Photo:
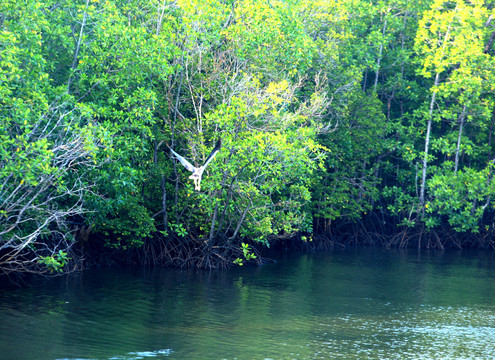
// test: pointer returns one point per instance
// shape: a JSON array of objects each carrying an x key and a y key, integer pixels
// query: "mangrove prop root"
[{"x": 187, "y": 253}]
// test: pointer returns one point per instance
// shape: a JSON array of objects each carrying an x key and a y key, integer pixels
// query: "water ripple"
[
  {"x": 133, "y": 355},
  {"x": 357, "y": 305}
]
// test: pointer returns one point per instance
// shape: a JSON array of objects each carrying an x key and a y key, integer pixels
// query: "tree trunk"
[
  {"x": 215, "y": 212},
  {"x": 164, "y": 191},
  {"x": 490, "y": 133},
  {"x": 377, "y": 72},
  {"x": 78, "y": 45},
  {"x": 164, "y": 204},
  {"x": 427, "y": 143},
  {"x": 176, "y": 111},
  {"x": 428, "y": 129},
  {"x": 402, "y": 44},
  {"x": 239, "y": 224},
  {"x": 492, "y": 36},
  {"x": 159, "y": 19},
  {"x": 461, "y": 124}
]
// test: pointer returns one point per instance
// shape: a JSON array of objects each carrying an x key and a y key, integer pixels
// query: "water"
[{"x": 352, "y": 304}]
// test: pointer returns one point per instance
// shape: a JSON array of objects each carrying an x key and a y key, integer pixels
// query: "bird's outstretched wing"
[
  {"x": 214, "y": 152},
  {"x": 183, "y": 161}
]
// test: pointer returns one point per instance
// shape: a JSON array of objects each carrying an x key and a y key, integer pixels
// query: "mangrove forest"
[{"x": 329, "y": 123}]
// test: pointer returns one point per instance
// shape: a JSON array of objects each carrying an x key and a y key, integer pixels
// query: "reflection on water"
[{"x": 359, "y": 304}]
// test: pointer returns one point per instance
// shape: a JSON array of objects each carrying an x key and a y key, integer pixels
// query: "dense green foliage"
[{"x": 330, "y": 112}]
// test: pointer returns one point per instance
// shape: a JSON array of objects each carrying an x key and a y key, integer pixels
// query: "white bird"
[{"x": 197, "y": 172}]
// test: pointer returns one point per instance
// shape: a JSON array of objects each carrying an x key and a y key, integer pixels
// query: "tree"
[
  {"x": 47, "y": 144},
  {"x": 451, "y": 44}
]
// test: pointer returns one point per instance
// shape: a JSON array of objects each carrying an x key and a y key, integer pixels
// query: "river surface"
[{"x": 349, "y": 304}]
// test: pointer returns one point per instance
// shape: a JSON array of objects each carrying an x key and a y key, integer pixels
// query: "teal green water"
[{"x": 352, "y": 304}]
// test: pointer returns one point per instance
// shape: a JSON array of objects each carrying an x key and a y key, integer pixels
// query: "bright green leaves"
[
  {"x": 270, "y": 37},
  {"x": 262, "y": 174},
  {"x": 348, "y": 185},
  {"x": 55, "y": 263},
  {"x": 247, "y": 253},
  {"x": 125, "y": 224},
  {"x": 450, "y": 45},
  {"x": 178, "y": 229},
  {"x": 84, "y": 118},
  {"x": 45, "y": 157},
  {"x": 275, "y": 156},
  {"x": 48, "y": 142},
  {"x": 204, "y": 21},
  {"x": 462, "y": 198},
  {"x": 125, "y": 56},
  {"x": 450, "y": 33}
]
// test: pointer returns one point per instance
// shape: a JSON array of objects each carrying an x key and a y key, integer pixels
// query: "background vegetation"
[{"x": 354, "y": 122}]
